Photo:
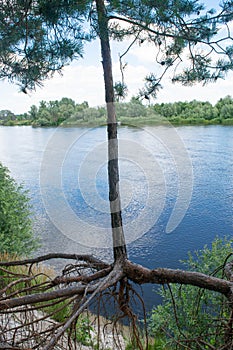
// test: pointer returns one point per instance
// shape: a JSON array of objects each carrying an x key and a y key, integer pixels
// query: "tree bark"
[
  {"x": 140, "y": 275},
  {"x": 92, "y": 261},
  {"x": 133, "y": 272},
  {"x": 119, "y": 246}
]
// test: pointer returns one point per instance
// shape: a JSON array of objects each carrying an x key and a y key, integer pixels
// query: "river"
[{"x": 176, "y": 188}]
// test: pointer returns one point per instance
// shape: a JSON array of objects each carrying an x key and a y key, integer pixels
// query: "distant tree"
[
  {"x": 168, "y": 110},
  {"x": 67, "y": 101},
  {"x": 54, "y": 112},
  {"x": 91, "y": 113},
  {"x": 33, "y": 112},
  {"x": 6, "y": 115},
  {"x": 135, "y": 100},
  {"x": 66, "y": 108},
  {"x": 130, "y": 109},
  {"x": 81, "y": 106},
  {"x": 225, "y": 107},
  {"x": 44, "y": 114}
]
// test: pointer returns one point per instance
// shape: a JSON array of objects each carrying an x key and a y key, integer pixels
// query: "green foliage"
[
  {"x": 228, "y": 121},
  {"x": 225, "y": 107},
  {"x": 156, "y": 343},
  {"x": 120, "y": 90},
  {"x": 61, "y": 310},
  {"x": 40, "y": 37},
  {"x": 6, "y": 115},
  {"x": 53, "y": 113},
  {"x": 67, "y": 112},
  {"x": 83, "y": 331},
  {"x": 15, "y": 224},
  {"x": 37, "y": 39},
  {"x": 193, "y": 317}
]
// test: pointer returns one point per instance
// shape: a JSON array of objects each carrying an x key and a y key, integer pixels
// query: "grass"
[{"x": 16, "y": 278}]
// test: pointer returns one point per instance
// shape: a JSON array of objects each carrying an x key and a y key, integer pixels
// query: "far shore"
[{"x": 122, "y": 121}]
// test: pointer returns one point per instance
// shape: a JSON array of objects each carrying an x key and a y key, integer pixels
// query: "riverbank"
[
  {"x": 24, "y": 327},
  {"x": 35, "y": 325},
  {"x": 124, "y": 121}
]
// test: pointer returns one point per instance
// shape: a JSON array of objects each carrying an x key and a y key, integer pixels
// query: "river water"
[{"x": 176, "y": 188}]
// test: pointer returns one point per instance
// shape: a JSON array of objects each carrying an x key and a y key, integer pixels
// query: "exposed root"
[{"x": 42, "y": 311}]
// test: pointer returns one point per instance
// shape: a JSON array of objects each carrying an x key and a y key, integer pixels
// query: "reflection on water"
[{"x": 147, "y": 167}]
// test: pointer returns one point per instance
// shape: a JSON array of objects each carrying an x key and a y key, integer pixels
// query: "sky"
[{"x": 83, "y": 81}]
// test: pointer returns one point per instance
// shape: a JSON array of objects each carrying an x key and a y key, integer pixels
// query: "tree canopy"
[{"x": 39, "y": 37}]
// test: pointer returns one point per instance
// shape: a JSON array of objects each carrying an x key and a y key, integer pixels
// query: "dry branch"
[
  {"x": 133, "y": 272},
  {"x": 229, "y": 271},
  {"x": 141, "y": 275},
  {"x": 108, "y": 281},
  {"x": 82, "y": 278},
  {"x": 70, "y": 291},
  {"x": 78, "y": 257}
]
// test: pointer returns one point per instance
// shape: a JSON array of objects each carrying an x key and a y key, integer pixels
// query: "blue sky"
[{"x": 83, "y": 80}]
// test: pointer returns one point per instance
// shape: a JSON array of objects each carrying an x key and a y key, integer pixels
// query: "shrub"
[
  {"x": 42, "y": 122},
  {"x": 228, "y": 121},
  {"x": 15, "y": 223},
  {"x": 191, "y": 317}
]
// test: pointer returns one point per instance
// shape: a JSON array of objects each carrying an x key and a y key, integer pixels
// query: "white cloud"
[
  {"x": 144, "y": 54},
  {"x": 211, "y": 92},
  {"x": 78, "y": 82},
  {"x": 84, "y": 81}
]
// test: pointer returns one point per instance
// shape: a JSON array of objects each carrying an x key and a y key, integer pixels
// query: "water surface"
[{"x": 148, "y": 166}]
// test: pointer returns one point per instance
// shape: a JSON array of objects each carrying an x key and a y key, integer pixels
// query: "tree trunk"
[{"x": 119, "y": 247}]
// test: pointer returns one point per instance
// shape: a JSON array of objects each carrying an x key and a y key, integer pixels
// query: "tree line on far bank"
[{"x": 68, "y": 112}]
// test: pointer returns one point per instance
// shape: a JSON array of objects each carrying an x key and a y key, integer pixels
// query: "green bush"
[
  {"x": 216, "y": 120},
  {"x": 9, "y": 123},
  {"x": 15, "y": 224},
  {"x": 42, "y": 122},
  {"x": 190, "y": 317},
  {"x": 228, "y": 121}
]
